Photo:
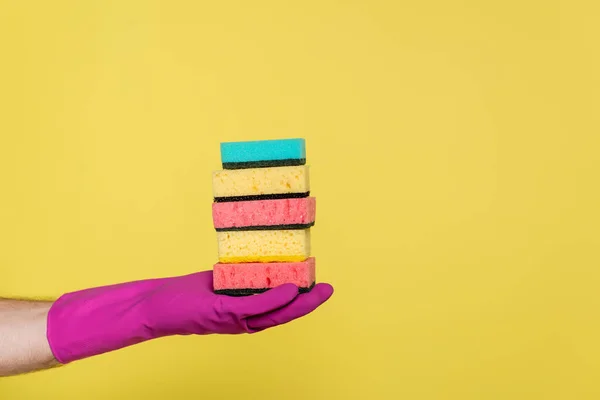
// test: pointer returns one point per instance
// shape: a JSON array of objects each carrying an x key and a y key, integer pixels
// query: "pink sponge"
[
  {"x": 248, "y": 278},
  {"x": 264, "y": 214}
]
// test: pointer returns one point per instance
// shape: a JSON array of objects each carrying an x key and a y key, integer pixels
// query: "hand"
[
  {"x": 98, "y": 320},
  {"x": 187, "y": 305}
]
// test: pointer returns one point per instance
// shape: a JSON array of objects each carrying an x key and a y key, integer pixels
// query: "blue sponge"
[{"x": 263, "y": 153}]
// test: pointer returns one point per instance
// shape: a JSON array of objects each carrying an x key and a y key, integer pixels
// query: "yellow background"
[{"x": 454, "y": 156}]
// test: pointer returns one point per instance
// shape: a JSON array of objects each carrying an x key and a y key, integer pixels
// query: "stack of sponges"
[{"x": 263, "y": 214}]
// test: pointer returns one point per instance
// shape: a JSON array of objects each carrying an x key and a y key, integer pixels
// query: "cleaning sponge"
[
  {"x": 264, "y": 246},
  {"x": 250, "y": 278},
  {"x": 263, "y": 153},
  {"x": 264, "y": 214},
  {"x": 261, "y": 183}
]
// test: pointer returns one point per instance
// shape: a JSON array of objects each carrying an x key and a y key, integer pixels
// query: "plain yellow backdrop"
[{"x": 454, "y": 153}]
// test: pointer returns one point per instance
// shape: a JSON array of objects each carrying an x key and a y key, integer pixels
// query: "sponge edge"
[{"x": 248, "y": 278}]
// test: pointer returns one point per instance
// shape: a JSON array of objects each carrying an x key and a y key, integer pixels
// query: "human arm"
[
  {"x": 23, "y": 344},
  {"x": 98, "y": 320}
]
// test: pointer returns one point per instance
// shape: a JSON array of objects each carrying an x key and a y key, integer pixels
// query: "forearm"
[{"x": 23, "y": 342}]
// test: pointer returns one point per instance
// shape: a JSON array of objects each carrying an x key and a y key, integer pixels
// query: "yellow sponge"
[
  {"x": 264, "y": 246},
  {"x": 261, "y": 183}
]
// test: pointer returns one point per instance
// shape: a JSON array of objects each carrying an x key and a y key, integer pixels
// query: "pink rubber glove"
[{"x": 98, "y": 320}]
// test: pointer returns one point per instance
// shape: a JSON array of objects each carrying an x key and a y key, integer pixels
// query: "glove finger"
[
  {"x": 263, "y": 303},
  {"x": 299, "y": 307}
]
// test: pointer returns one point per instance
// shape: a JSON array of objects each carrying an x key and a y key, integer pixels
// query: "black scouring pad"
[
  {"x": 249, "y": 292},
  {"x": 265, "y": 164},
  {"x": 274, "y": 196}
]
